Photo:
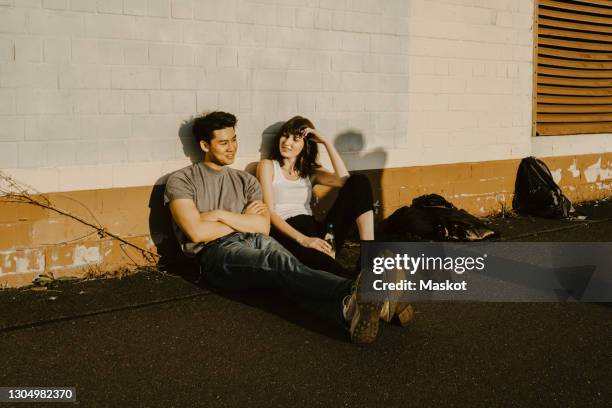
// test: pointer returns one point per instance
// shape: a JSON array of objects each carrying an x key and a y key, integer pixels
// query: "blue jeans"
[{"x": 256, "y": 261}]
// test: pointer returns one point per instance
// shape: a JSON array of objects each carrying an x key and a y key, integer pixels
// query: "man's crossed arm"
[{"x": 208, "y": 226}]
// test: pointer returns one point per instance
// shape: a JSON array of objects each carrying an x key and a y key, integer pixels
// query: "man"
[{"x": 220, "y": 219}]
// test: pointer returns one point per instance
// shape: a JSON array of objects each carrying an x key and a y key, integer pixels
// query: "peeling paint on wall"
[
  {"x": 594, "y": 172},
  {"x": 85, "y": 256},
  {"x": 466, "y": 195},
  {"x": 574, "y": 169},
  {"x": 556, "y": 174},
  {"x": 21, "y": 265},
  {"x": 29, "y": 261}
]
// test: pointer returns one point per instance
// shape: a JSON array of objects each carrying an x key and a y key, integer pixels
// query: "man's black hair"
[{"x": 204, "y": 126}]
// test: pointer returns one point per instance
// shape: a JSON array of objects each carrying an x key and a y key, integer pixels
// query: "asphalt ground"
[{"x": 162, "y": 340}]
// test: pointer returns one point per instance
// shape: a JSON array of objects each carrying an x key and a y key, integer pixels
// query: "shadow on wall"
[
  {"x": 160, "y": 227},
  {"x": 351, "y": 144},
  {"x": 191, "y": 147},
  {"x": 265, "y": 148},
  {"x": 160, "y": 219}
]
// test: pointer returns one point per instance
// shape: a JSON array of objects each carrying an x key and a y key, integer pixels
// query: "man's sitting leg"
[{"x": 257, "y": 261}]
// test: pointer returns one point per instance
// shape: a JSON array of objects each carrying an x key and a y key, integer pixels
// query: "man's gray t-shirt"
[{"x": 226, "y": 189}]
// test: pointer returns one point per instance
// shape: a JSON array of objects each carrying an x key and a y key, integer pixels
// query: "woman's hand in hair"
[
  {"x": 314, "y": 135},
  {"x": 315, "y": 243}
]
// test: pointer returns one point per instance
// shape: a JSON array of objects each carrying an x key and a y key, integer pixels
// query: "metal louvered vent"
[{"x": 574, "y": 67}]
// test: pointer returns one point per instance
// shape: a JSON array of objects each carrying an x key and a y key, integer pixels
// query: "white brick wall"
[
  {"x": 465, "y": 92},
  {"x": 108, "y": 84}
]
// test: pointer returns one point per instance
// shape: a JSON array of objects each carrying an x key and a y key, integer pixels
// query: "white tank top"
[{"x": 291, "y": 197}]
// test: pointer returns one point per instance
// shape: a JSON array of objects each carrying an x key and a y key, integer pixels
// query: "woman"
[{"x": 287, "y": 180}]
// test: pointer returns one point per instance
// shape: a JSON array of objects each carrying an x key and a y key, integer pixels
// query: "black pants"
[{"x": 354, "y": 198}]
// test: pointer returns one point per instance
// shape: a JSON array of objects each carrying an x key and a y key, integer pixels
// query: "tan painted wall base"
[
  {"x": 485, "y": 188},
  {"x": 35, "y": 241}
]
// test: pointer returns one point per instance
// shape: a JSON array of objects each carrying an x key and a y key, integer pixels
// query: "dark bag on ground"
[
  {"x": 432, "y": 217},
  {"x": 536, "y": 193}
]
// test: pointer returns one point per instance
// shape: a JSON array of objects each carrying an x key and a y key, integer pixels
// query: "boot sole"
[{"x": 364, "y": 326}]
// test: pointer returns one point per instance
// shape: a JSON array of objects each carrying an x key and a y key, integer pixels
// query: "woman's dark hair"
[
  {"x": 204, "y": 126},
  {"x": 307, "y": 160}
]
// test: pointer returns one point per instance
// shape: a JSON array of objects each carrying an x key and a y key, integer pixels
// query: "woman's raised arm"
[{"x": 322, "y": 176}]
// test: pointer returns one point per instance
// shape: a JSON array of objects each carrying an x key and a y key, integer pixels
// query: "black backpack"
[
  {"x": 536, "y": 193},
  {"x": 432, "y": 217}
]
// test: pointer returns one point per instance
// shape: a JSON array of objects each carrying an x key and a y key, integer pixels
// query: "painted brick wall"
[
  {"x": 100, "y": 82},
  {"x": 470, "y": 64},
  {"x": 397, "y": 83}
]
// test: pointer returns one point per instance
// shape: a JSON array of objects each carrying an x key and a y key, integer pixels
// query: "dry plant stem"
[{"x": 22, "y": 196}]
